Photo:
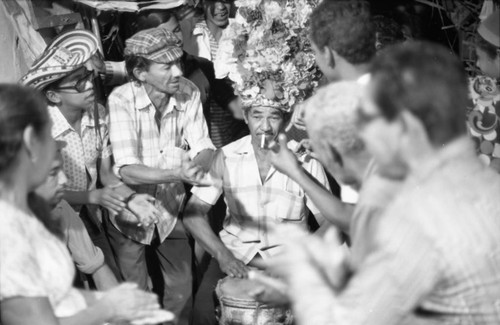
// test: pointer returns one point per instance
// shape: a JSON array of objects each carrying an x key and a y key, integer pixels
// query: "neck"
[
  {"x": 214, "y": 29},
  {"x": 349, "y": 71},
  {"x": 73, "y": 116},
  {"x": 158, "y": 98}
]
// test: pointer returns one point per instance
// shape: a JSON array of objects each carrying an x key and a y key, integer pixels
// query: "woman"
[{"x": 36, "y": 271}]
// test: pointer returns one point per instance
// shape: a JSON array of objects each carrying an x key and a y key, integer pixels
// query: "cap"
[
  {"x": 489, "y": 28},
  {"x": 155, "y": 44}
]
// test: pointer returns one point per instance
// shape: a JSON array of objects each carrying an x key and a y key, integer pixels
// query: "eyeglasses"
[{"x": 81, "y": 85}]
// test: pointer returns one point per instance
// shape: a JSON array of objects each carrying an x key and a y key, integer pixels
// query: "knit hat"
[
  {"x": 155, "y": 44},
  {"x": 489, "y": 29}
]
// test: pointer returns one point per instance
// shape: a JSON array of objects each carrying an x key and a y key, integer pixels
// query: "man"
[
  {"x": 157, "y": 125},
  {"x": 483, "y": 118},
  {"x": 62, "y": 73},
  {"x": 257, "y": 196},
  {"x": 88, "y": 258},
  {"x": 433, "y": 256}
]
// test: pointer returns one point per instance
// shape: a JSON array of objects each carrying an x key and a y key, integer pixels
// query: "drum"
[{"x": 236, "y": 307}]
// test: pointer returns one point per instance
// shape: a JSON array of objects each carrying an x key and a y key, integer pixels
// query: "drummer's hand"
[
  {"x": 269, "y": 296},
  {"x": 142, "y": 205},
  {"x": 232, "y": 266}
]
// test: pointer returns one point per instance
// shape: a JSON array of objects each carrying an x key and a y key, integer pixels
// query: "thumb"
[
  {"x": 283, "y": 140},
  {"x": 185, "y": 158}
]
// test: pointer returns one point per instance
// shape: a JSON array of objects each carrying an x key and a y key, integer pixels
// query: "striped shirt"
[
  {"x": 435, "y": 253},
  {"x": 252, "y": 205},
  {"x": 136, "y": 140}
]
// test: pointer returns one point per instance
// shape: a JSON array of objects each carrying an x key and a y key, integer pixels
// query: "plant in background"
[{"x": 265, "y": 50}]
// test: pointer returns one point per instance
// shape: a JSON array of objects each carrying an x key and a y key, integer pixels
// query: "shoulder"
[
  {"x": 238, "y": 147},
  {"x": 124, "y": 92}
]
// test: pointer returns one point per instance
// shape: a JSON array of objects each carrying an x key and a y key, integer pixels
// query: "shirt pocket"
[
  {"x": 286, "y": 207},
  {"x": 171, "y": 158}
]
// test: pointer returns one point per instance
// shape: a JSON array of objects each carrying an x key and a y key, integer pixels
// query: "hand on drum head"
[
  {"x": 232, "y": 266},
  {"x": 268, "y": 290}
]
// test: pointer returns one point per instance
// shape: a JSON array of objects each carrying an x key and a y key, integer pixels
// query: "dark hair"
[
  {"x": 490, "y": 49},
  {"x": 346, "y": 27},
  {"x": 427, "y": 80},
  {"x": 19, "y": 107},
  {"x": 136, "y": 62},
  {"x": 387, "y": 31},
  {"x": 153, "y": 18},
  {"x": 42, "y": 211}
]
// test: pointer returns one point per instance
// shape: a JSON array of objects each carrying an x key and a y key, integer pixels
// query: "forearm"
[
  {"x": 140, "y": 174},
  {"x": 104, "y": 278},
  {"x": 332, "y": 208},
  {"x": 198, "y": 226},
  {"x": 96, "y": 314},
  {"x": 78, "y": 197}
]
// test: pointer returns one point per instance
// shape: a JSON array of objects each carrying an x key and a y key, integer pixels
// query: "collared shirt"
[
  {"x": 82, "y": 151},
  {"x": 435, "y": 253},
  {"x": 252, "y": 205},
  {"x": 206, "y": 44},
  {"x": 483, "y": 119},
  {"x": 136, "y": 140}
]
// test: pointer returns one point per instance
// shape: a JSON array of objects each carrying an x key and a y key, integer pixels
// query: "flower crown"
[{"x": 265, "y": 50}]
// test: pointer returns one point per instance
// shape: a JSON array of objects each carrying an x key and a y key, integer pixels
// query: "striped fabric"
[
  {"x": 433, "y": 257},
  {"x": 253, "y": 206},
  {"x": 135, "y": 139},
  {"x": 155, "y": 44}
]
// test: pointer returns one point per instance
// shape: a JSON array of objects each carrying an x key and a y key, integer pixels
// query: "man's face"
[
  {"x": 382, "y": 137},
  {"x": 267, "y": 121},
  {"x": 217, "y": 12},
  {"x": 76, "y": 90},
  {"x": 487, "y": 65},
  {"x": 173, "y": 26},
  {"x": 163, "y": 76},
  {"x": 52, "y": 189}
]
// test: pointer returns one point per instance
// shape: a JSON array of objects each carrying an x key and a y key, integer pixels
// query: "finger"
[
  {"x": 114, "y": 201},
  {"x": 283, "y": 140}
]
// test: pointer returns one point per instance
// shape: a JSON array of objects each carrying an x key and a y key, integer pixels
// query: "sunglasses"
[{"x": 81, "y": 85}]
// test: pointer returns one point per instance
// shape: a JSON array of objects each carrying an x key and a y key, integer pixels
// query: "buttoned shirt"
[
  {"x": 205, "y": 43},
  {"x": 136, "y": 139},
  {"x": 82, "y": 151},
  {"x": 435, "y": 252},
  {"x": 253, "y": 205}
]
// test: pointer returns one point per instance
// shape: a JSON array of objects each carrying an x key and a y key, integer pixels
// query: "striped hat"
[
  {"x": 67, "y": 53},
  {"x": 155, "y": 44},
  {"x": 489, "y": 29}
]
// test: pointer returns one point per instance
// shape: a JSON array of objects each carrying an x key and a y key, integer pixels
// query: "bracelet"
[{"x": 130, "y": 198}]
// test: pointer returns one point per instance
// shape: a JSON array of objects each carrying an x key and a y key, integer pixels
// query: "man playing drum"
[{"x": 257, "y": 196}]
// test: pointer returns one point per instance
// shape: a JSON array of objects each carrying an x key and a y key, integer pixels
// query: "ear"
[
  {"x": 139, "y": 74},
  {"x": 29, "y": 141},
  {"x": 413, "y": 134},
  {"x": 245, "y": 115},
  {"x": 330, "y": 56},
  {"x": 53, "y": 96}
]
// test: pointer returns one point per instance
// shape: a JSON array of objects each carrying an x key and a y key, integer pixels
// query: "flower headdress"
[{"x": 265, "y": 50}]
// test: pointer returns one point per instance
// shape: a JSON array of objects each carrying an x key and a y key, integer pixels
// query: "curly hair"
[
  {"x": 425, "y": 79},
  {"x": 331, "y": 115},
  {"x": 136, "y": 62},
  {"x": 346, "y": 27}
]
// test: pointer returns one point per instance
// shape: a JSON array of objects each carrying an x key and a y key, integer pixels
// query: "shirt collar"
[
  {"x": 59, "y": 123},
  {"x": 200, "y": 28},
  {"x": 142, "y": 100}
]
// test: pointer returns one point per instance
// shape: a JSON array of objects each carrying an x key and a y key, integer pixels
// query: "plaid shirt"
[
  {"x": 136, "y": 140},
  {"x": 253, "y": 206},
  {"x": 435, "y": 253}
]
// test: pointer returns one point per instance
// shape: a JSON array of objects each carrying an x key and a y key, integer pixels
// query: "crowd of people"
[{"x": 129, "y": 207}]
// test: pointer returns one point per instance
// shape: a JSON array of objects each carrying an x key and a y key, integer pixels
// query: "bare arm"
[
  {"x": 104, "y": 278},
  {"x": 332, "y": 208},
  {"x": 196, "y": 223}
]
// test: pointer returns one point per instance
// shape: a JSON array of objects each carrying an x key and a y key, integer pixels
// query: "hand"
[
  {"x": 108, "y": 198},
  {"x": 298, "y": 117},
  {"x": 126, "y": 302},
  {"x": 268, "y": 290},
  {"x": 232, "y": 266},
  {"x": 282, "y": 158},
  {"x": 142, "y": 205},
  {"x": 191, "y": 173},
  {"x": 236, "y": 107}
]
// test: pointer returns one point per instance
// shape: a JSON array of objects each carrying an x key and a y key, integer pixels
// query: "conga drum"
[{"x": 236, "y": 307}]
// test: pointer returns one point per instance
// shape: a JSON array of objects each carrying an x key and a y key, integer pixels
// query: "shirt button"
[{"x": 161, "y": 151}]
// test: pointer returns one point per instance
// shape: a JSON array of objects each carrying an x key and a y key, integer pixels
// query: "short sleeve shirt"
[{"x": 252, "y": 205}]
